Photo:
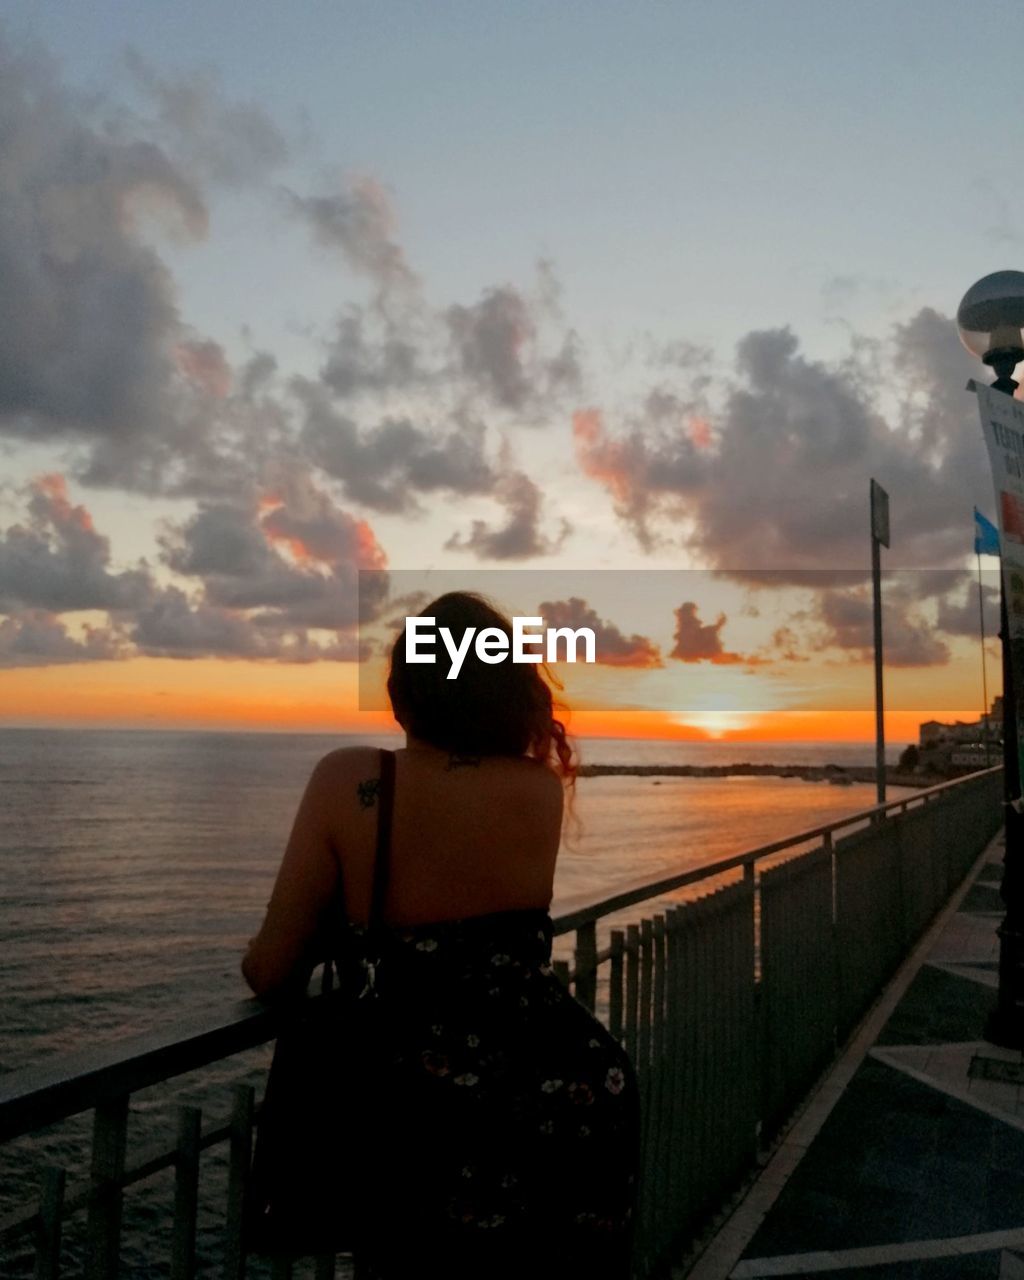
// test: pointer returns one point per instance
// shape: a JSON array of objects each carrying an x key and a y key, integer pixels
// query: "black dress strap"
[{"x": 382, "y": 856}]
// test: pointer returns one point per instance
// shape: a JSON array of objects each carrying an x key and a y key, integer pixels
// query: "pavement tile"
[
  {"x": 968, "y": 1266},
  {"x": 1011, "y": 1265},
  {"x": 982, "y": 897},
  {"x": 979, "y": 1266},
  {"x": 1004, "y": 1197},
  {"x": 938, "y": 1008}
]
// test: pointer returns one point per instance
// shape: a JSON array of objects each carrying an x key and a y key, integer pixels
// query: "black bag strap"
[{"x": 386, "y": 804}]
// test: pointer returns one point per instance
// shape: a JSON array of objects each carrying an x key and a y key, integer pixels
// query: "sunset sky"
[{"x": 613, "y": 308}]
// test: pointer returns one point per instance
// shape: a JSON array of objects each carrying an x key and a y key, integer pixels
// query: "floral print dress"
[{"x": 508, "y": 1138}]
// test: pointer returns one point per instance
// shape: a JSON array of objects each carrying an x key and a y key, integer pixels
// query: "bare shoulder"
[
  {"x": 541, "y": 783},
  {"x": 349, "y": 759},
  {"x": 346, "y": 767}
]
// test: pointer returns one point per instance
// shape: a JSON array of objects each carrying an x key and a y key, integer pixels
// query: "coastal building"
[
  {"x": 975, "y": 755},
  {"x": 962, "y": 746},
  {"x": 988, "y": 728}
]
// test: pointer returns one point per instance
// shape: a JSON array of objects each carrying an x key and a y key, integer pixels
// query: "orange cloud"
[
  {"x": 54, "y": 487},
  {"x": 599, "y": 457},
  {"x": 292, "y": 541},
  {"x": 324, "y": 536},
  {"x": 371, "y": 554},
  {"x": 699, "y": 431}
]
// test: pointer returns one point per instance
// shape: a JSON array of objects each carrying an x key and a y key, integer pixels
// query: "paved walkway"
[{"x": 908, "y": 1163}]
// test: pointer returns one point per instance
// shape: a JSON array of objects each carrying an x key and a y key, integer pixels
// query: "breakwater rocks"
[{"x": 836, "y": 775}]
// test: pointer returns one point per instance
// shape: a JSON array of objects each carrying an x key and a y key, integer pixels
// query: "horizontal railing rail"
[
  {"x": 576, "y": 912},
  {"x": 70, "y": 1083},
  {"x": 699, "y": 995}
]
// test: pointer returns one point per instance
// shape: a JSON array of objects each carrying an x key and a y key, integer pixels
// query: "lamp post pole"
[
  {"x": 991, "y": 323},
  {"x": 879, "y": 538}
]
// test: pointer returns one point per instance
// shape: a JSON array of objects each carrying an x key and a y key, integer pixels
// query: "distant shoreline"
[{"x": 832, "y": 773}]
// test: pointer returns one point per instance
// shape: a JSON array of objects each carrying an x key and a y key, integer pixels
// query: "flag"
[{"x": 986, "y": 536}]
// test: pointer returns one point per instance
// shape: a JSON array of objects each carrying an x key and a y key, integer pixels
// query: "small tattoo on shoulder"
[
  {"x": 456, "y": 761},
  {"x": 367, "y": 792}
]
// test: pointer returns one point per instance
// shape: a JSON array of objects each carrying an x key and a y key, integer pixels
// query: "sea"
[{"x": 135, "y": 865}]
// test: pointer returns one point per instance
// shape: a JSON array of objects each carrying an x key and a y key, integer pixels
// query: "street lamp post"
[{"x": 991, "y": 320}]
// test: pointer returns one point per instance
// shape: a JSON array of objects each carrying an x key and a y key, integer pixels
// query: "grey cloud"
[
  {"x": 218, "y": 140},
  {"x": 57, "y": 561},
  {"x": 908, "y": 639},
  {"x": 387, "y": 466},
  {"x": 489, "y": 338},
  {"x": 910, "y": 586},
  {"x": 496, "y": 346},
  {"x": 357, "y": 362},
  {"x": 786, "y": 646},
  {"x": 36, "y": 637},
  {"x": 961, "y": 617},
  {"x": 294, "y": 555},
  {"x": 207, "y": 446},
  {"x": 93, "y": 352},
  {"x": 262, "y": 577},
  {"x": 359, "y": 222},
  {"x": 677, "y": 354},
  {"x": 520, "y": 537},
  {"x": 697, "y": 641},
  {"x": 563, "y": 372},
  {"x": 784, "y": 482},
  {"x": 256, "y": 374},
  {"x": 612, "y": 647},
  {"x": 95, "y": 356},
  {"x": 218, "y": 540},
  {"x": 87, "y": 309},
  {"x": 171, "y": 626}
]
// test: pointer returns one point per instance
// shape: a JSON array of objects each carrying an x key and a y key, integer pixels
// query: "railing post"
[
  {"x": 324, "y": 1269},
  {"x": 615, "y": 984},
  {"x": 186, "y": 1193},
  {"x": 755, "y": 1034},
  {"x": 107, "y": 1195},
  {"x": 837, "y": 974},
  {"x": 240, "y": 1156},
  {"x": 651, "y": 1209},
  {"x": 646, "y": 977},
  {"x": 647, "y": 1071},
  {"x": 48, "y": 1234},
  {"x": 632, "y": 991},
  {"x": 674, "y": 1077},
  {"x": 586, "y": 965}
]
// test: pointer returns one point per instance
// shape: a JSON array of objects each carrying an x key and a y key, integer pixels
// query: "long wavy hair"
[{"x": 499, "y": 709}]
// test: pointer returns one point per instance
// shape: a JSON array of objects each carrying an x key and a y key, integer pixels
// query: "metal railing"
[{"x": 730, "y": 1004}]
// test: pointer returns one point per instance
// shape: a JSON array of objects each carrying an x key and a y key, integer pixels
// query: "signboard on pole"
[
  {"x": 879, "y": 514},
  {"x": 1002, "y": 423},
  {"x": 879, "y": 538}
]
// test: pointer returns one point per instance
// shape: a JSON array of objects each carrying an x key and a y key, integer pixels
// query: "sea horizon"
[{"x": 866, "y": 745}]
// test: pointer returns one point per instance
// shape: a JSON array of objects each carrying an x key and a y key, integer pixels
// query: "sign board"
[
  {"x": 879, "y": 514},
  {"x": 1002, "y": 423}
]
